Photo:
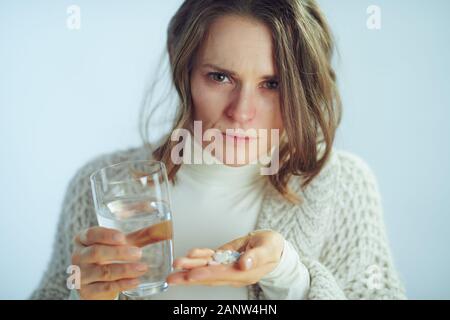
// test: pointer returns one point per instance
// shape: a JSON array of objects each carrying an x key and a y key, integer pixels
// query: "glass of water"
[{"x": 133, "y": 197}]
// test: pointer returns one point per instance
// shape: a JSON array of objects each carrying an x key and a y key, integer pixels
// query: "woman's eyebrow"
[{"x": 233, "y": 73}]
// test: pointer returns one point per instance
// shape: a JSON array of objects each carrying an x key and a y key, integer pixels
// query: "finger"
[
  {"x": 100, "y": 235},
  {"x": 177, "y": 277},
  {"x": 188, "y": 263},
  {"x": 238, "y": 244},
  {"x": 226, "y": 274},
  {"x": 103, "y": 254},
  {"x": 264, "y": 249},
  {"x": 200, "y": 253},
  {"x": 255, "y": 257},
  {"x": 155, "y": 233},
  {"x": 108, "y": 290},
  {"x": 182, "y": 278},
  {"x": 220, "y": 272},
  {"x": 112, "y": 272}
]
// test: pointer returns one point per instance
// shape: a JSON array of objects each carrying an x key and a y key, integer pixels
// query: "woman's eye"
[
  {"x": 272, "y": 84},
  {"x": 217, "y": 76}
]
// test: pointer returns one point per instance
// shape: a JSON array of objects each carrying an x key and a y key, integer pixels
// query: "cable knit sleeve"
[
  {"x": 77, "y": 213},
  {"x": 355, "y": 262}
]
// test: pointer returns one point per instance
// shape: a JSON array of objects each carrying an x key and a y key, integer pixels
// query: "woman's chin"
[{"x": 238, "y": 158}]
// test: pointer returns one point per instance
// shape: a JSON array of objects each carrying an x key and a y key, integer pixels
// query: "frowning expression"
[{"x": 234, "y": 82}]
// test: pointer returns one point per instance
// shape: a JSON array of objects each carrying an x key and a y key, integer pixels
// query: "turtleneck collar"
[{"x": 217, "y": 173}]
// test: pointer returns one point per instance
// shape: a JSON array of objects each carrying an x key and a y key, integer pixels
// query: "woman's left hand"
[{"x": 260, "y": 253}]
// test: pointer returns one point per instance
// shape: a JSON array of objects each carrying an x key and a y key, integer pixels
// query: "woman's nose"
[{"x": 242, "y": 109}]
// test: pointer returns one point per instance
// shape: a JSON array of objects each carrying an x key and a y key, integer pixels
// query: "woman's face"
[{"x": 234, "y": 85}]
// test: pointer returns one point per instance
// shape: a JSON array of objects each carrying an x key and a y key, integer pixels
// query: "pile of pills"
[{"x": 225, "y": 257}]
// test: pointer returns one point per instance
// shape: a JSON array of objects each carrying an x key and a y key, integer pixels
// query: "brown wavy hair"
[{"x": 309, "y": 99}]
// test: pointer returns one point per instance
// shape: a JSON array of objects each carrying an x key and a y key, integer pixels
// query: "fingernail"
[
  {"x": 141, "y": 267},
  {"x": 248, "y": 263},
  {"x": 136, "y": 252}
]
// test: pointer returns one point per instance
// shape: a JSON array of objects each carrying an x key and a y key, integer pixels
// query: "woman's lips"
[{"x": 238, "y": 137}]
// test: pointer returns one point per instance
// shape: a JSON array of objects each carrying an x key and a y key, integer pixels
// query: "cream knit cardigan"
[{"x": 338, "y": 230}]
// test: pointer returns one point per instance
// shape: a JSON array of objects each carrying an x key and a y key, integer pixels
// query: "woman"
[{"x": 313, "y": 229}]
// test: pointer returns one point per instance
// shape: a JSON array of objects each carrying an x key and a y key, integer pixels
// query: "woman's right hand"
[{"x": 95, "y": 249}]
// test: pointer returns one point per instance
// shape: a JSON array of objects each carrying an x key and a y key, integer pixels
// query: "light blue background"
[{"x": 67, "y": 96}]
